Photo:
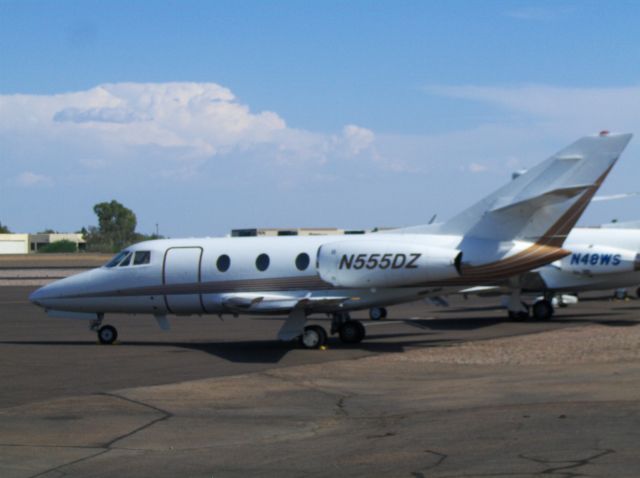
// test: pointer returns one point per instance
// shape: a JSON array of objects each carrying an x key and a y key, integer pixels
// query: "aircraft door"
[{"x": 181, "y": 273}]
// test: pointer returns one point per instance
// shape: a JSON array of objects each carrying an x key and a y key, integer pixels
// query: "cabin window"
[
  {"x": 125, "y": 262},
  {"x": 116, "y": 260},
  {"x": 262, "y": 262},
  {"x": 302, "y": 261},
  {"x": 142, "y": 257},
  {"x": 223, "y": 263}
]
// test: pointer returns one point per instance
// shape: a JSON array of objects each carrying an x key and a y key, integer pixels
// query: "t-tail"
[
  {"x": 537, "y": 209},
  {"x": 543, "y": 204}
]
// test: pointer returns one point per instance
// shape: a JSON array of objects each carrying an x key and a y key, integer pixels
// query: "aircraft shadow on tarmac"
[
  {"x": 254, "y": 351},
  {"x": 273, "y": 351}
]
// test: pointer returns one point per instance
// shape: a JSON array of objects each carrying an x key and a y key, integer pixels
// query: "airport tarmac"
[{"x": 435, "y": 391}]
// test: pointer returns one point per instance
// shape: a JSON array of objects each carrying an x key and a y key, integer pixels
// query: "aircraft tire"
[
  {"x": 542, "y": 310},
  {"x": 313, "y": 337},
  {"x": 352, "y": 332},
  {"x": 377, "y": 313},
  {"x": 107, "y": 334}
]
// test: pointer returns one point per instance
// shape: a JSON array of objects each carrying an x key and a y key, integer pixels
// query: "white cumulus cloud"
[{"x": 176, "y": 121}]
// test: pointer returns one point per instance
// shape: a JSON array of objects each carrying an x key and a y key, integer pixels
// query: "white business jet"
[
  {"x": 520, "y": 227},
  {"x": 601, "y": 259}
]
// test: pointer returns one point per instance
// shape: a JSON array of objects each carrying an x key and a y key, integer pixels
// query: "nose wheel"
[{"x": 107, "y": 334}]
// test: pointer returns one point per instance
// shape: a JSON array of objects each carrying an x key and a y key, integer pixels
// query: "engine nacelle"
[
  {"x": 378, "y": 263},
  {"x": 594, "y": 260}
]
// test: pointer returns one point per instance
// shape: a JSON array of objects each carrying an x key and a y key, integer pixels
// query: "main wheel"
[
  {"x": 352, "y": 332},
  {"x": 377, "y": 313},
  {"x": 542, "y": 310},
  {"x": 107, "y": 334},
  {"x": 313, "y": 337}
]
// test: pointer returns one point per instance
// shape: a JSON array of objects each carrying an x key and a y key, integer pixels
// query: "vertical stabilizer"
[{"x": 543, "y": 204}]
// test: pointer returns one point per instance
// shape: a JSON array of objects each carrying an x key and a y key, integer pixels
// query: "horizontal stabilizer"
[
  {"x": 544, "y": 203},
  {"x": 544, "y": 199}
]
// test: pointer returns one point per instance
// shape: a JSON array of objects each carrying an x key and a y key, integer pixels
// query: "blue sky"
[{"x": 204, "y": 116}]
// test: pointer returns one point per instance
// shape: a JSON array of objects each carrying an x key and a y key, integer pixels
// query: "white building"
[{"x": 14, "y": 243}]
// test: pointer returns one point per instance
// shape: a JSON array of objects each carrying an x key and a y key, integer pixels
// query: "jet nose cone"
[{"x": 36, "y": 296}]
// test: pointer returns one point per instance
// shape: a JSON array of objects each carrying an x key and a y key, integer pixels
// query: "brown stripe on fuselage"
[
  {"x": 213, "y": 287},
  {"x": 557, "y": 233},
  {"x": 545, "y": 250},
  {"x": 547, "y": 247}
]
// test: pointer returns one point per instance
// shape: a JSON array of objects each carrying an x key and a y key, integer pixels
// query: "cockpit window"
[
  {"x": 116, "y": 260},
  {"x": 141, "y": 257},
  {"x": 126, "y": 260}
]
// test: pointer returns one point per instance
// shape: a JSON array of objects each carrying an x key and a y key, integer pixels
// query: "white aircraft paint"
[{"x": 520, "y": 227}]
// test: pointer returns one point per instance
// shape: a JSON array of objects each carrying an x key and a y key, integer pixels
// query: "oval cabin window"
[
  {"x": 262, "y": 262},
  {"x": 302, "y": 261},
  {"x": 223, "y": 263}
]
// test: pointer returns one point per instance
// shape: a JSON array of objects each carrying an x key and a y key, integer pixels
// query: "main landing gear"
[
  {"x": 541, "y": 310},
  {"x": 350, "y": 332},
  {"x": 107, "y": 334}
]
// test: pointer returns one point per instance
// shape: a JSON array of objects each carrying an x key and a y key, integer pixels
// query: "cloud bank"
[
  {"x": 167, "y": 148},
  {"x": 178, "y": 121}
]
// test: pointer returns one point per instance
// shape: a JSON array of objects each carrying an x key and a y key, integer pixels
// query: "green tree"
[
  {"x": 59, "y": 246},
  {"x": 116, "y": 227},
  {"x": 4, "y": 229}
]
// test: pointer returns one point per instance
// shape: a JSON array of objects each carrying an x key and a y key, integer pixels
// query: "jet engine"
[
  {"x": 593, "y": 260},
  {"x": 376, "y": 263}
]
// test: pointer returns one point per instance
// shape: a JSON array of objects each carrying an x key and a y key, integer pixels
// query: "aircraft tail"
[{"x": 543, "y": 204}]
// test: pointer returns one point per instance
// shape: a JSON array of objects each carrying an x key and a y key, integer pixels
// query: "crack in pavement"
[
  {"x": 441, "y": 457},
  {"x": 165, "y": 416},
  {"x": 108, "y": 446},
  {"x": 572, "y": 464},
  {"x": 562, "y": 471},
  {"x": 342, "y": 397},
  {"x": 71, "y": 463}
]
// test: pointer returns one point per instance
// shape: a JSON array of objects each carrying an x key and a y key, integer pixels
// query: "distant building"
[
  {"x": 38, "y": 241},
  {"x": 14, "y": 243}
]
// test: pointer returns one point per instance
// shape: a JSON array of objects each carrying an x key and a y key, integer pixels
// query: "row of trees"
[{"x": 116, "y": 229}]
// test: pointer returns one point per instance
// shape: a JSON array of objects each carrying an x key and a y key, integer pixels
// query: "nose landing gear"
[{"x": 107, "y": 334}]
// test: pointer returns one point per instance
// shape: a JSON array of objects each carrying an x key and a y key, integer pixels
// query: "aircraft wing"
[{"x": 266, "y": 302}]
